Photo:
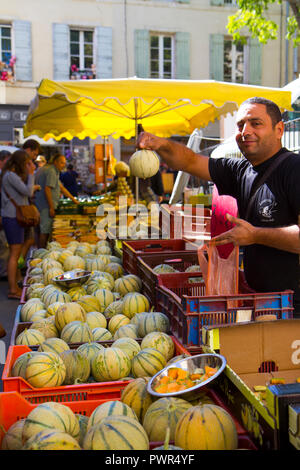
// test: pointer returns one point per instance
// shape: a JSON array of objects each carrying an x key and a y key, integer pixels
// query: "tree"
[{"x": 252, "y": 14}]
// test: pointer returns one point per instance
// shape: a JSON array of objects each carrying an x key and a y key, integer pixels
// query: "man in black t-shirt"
[{"x": 270, "y": 236}]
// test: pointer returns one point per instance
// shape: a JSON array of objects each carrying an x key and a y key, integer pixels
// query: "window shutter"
[
  {"x": 142, "y": 53},
  {"x": 216, "y": 57},
  {"x": 23, "y": 50},
  {"x": 103, "y": 52},
  {"x": 184, "y": 1},
  {"x": 255, "y": 56},
  {"x": 182, "y": 57},
  {"x": 217, "y": 2},
  {"x": 61, "y": 51}
]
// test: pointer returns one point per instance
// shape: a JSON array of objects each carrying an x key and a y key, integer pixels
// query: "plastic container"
[
  {"x": 64, "y": 393},
  {"x": 188, "y": 310},
  {"x": 131, "y": 249},
  {"x": 146, "y": 262},
  {"x": 185, "y": 221},
  {"x": 14, "y": 407}
]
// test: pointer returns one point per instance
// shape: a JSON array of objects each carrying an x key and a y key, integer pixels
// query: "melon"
[
  {"x": 30, "y": 337},
  {"x": 19, "y": 367},
  {"x": 50, "y": 275},
  {"x": 116, "y": 322},
  {"x": 115, "y": 269},
  {"x": 56, "y": 295},
  {"x": 147, "y": 362},
  {"x": 193, "y": 268},
  {"x": 89, "y": 303},
  {"x": 110, "y": 408},
  {"x": 51, "y": 440},
  {"x": 129, "y": 345},
  {"x": 39, "y": 315},
  {"x": 144, "y": 163},
  {"x": 104, "y": 250},
  {"x": 74, "y": 262},
  {"x": 101, "y": 334},
  {"x": 53, "y": 245},
  {"x": 83, "y": 422},
  {"x": 67, "y": 313},
  {"x": 163, "y": 413},
  {"x": 52, "y": 308},
  {"x": 94, "y": 264},
  {"x": 12, "y": 439},
  {"x": 77, "y": 367},
  {"x": 55, "y": 345},
  {"x": 35, "y": 262},
  {"x": 45, "y": 369},
  {"x": 96, "y": 320},
  {"x": 110, "y": 364},
  {"x": 46, "y": 327},
  {"x": 128, "y": 283},
  {"x": 116, "y": 433},
  {"x": 160, "y": 341},
  {"x": 90, "y": 350},
  {"x": 164, "y": 268},
  {"x": 206, "y": 427},
  {"x": 152, "y": 321},
  {"x": 51, "y": 416},
  {"x": 76, "y": 292},
  {"x": 54, "y": 254},
  {"x": 49, "y": 263},
  {"x": 76, "y": 332},
  {"x": 136, "y": 396},
  {"x": 39, "y": 253},
  {"x": 178, "y": 358},
  {"x": 29, "y": 308},
  {"x": 64, "y": 255},
  {"x": 126, "y": 331},
  {"x": 105, "y": 298},
  {"x": 135, "y": 302},
  {"x": 35, "y": 293},
  {"x": 115, "y": 308},
  {"x": 100, "y": 282}
]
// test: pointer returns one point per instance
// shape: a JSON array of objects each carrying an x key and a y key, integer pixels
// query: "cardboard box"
[{"x": 255, "y": 353}]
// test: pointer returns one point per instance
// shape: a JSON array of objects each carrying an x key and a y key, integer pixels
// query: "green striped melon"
[
  {"x": 51, "y": 440},
  {"x": 126, "y": 331},
  {"x": 96, "y": 320},
  {"x": 110, "y": 364},
  {"x": 48, "y": 328},
  {"x": 147, "y": 362},
  {"x": 51, "y": 416},
  {"x": 35, "y": 293},
  {"x": 89, "y": 350},
  {"x": 103, "y": 250},
  {"x": 39, "y": 315},
  {"x": 30, "y": 337},
  {"x": 56, "y": 296},
  {"x": 12, "y": 439},
  {"x": 68, "y": 312},
  {"x": 160, "y": 341},
  {"x": 72, "y": 245},
  {"x": 115, "y": 308},
  {"x": 115, "y": 269},
  {"x": 115, "y": 259},
  {"x": 51, "y": 274},
  {"x": 89, "y": 303},
  {"x": 83, "y": 422},
  {"x": 206, "y": 427},
  {"x": 82, "y": 252},
  {"x": 46, "y": 290},
  {"x": 29, "y": 308},
  {"x": 19, "y": 367},
  {"x": 106, "y": 275},
  {"x": 177, "y": 358},
  {"x": 102, "y": 243},
  {"x": 117, "y": 296},
  {"x": 76, "y": 292},
  {"x": 52, "y": 308},
  {"x": 74, "y": 262},
  {"x": 136, "y": 396},
  {"x": 163, "y": 413},
  {"x": 94, "y": 264},
  {"x": 152, "y": 321},
  {"x": 116, "y": 433},
  {"x": 105, "y": 258},
  {"x": 164, "y": 268},
  {"x": 105, "y": 298},
  {"x": 39, "y": 278},
  {"x": 55, "y": 345},
  {"x": 40, "y": 253},
  {"x": 137, "y": 317},
  {"x": 110, "y": 408},
  {"x": 129, "y": 345},
  {"x": 64, "y": 255},
  {"x": 100, "y": 282},
  {"x": 101, "y": 334},
  {"x": 193, "y": 268},
  {"x": 135, "y": 302},
  {"x": 54, "y": 254},
  {"x": 45, "y": 369},
  {"x": 116, "y": 322},
  {"x": 53, "y": 245},
  {"x": 77, "y": 367},
  {"x": 128, "y": 283},
  {"x": 36, "y": 271},
  {"x": 49, "y": 263},
  {"x": 76, "y": 332}
]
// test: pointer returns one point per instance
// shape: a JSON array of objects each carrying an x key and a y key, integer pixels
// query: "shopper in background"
[
  {"x": 32, "y": 148},
  {"x": 40, "y": 161},
  {"x": 17, "y": 182},
  {"x": 48, "y": 197},
  {"x": 69, "y": 180}
]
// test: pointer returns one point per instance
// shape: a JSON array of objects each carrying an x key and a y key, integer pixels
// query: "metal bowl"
[
  {"x": 73, "y": 278},
  {"x": 189, "y": 364}
]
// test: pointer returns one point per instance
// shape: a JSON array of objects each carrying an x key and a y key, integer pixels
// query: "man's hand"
[
  {"x": 149, "y": 141},
  {"x": 52, "y": 212},
  {"x": 241, "y": 234},
  {"x": 76, "y": 201}
]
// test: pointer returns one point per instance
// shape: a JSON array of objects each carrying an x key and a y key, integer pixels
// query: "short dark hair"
[
  {"x": 31, "y": 144},
  {"x": 272, "y": 109},
  {"x": 4, "y": 154},
  {"x": 70, "y": 166}
]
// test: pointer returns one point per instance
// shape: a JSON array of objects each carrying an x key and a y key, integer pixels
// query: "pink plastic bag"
[{"x": 222, "y": 205}]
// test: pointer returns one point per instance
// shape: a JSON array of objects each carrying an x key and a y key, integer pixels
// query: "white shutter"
[
  {"x": 61, "y": 51},
  {"x": 23, "y": 50},
  {"x": 103, "y": 52}
]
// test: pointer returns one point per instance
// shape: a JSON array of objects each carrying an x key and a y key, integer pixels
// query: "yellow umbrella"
[{"x": 91, "y": 108}]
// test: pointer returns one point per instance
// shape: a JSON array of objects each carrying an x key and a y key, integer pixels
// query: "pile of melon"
[{"x": 135, "y": 422}]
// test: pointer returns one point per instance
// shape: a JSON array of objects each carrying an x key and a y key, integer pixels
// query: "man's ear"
[{"x": 280, "y": 129}]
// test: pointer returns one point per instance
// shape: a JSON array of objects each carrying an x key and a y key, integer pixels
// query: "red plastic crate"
[
  {"x": 146, "y": 262},
  {"x": 14, "y": 407},
  {"x": 133, "y": 248},
  {"x": 188, "y": 310},
  {"x": 185, "y": 221},
  {"x": 64, "y": 393}
]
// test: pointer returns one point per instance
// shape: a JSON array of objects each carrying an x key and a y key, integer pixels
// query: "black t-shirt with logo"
[{"x": 277, "y": 204}]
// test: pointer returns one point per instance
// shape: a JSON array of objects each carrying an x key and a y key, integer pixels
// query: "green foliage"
[{"x": 252, "y": 16}]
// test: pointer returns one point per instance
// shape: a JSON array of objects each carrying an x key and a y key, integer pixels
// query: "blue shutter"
[
  {"x": 216, "y": 57},
  {"x": 142, "y": 53},
  {"x": 103, "y": 52},
  {"x": 255, "y": 61},
  {"x": 61, "y": 51},
  {"x": 23, "y": 50},
  {"x": 182, "y": 48}
]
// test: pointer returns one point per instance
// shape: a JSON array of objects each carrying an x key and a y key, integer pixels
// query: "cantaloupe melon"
[
  {"x": 110, "y": 364},
  {"x": 136, "y": 396},
  {"x": 51, "y": 440},
  {"x": 110, "y": 408},
  {"x": 76, "y": 332},
  {"x": 45, "y": 369},
  {"x": 12, "y": 439},
  {"x": 68, "y": 312}
]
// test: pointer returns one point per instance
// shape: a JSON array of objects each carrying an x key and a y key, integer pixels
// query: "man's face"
[
  {"x": 60, "y": 163},
  {"x": 33, "y": 153},
  {"x": 255, "y": 135}
]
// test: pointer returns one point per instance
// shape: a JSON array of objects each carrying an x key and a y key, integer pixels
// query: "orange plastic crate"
[{"x": 64, "y": 393}]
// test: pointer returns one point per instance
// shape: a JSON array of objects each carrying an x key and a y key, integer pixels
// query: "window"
[
  {"x": 7, "y": 60},
  {"x": 82, "y": 53},
  {"x": 161, "y": 56},
  {"x": 235, "y": 61}
]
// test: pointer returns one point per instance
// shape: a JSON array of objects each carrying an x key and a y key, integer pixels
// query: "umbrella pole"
[
  {"x": 105, "y": 163},
  {"x": 136, "y": 137}
]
